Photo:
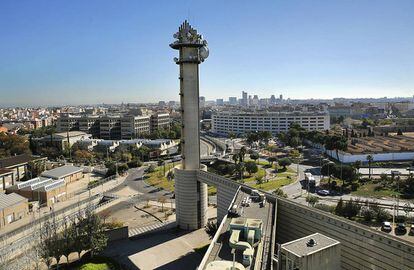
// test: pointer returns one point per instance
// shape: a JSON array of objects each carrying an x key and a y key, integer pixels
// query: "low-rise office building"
[
  {"x": 134, "y": 126},
  {"x": 45, "y": 190},
  {"x": 12, "y": 207},
  {"x": 61, "y": 140},
  {"x": 6, "y": 179},
  {"x": 114, "y": 127},
  {"x": 160, "y": 121},
  {"x": 68, "y": 173},
  {"x": 240, "y": 122},
  {"x": 20, "y": 165}
]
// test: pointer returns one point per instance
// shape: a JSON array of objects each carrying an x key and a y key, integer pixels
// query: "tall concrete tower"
[{"x": 190, "y": 195}]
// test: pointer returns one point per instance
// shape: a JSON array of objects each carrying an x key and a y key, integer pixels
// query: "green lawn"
[
  {"x": 96, "y": 263},
  {"x": 95, "y": 266},
  {"x": 158, "y": 179},
  {"x": 276, "y": 183},
  {"x": 374, "y": 190},
  {"x": 260, "y": 173}
]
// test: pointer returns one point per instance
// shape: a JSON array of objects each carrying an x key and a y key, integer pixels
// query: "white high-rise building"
[{"x": 240, "y": 122}]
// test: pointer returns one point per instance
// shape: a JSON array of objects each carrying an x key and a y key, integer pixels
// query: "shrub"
[
  {"x": 312, "y": 200},
  {"x": 151, "y": 168},
  {"x": 368, "y": 214},
  {"x": 325, "y": 207},
  {"x": 382, "y": 215},
  {"x": 211, "y": 228},
  {"x": 280, "y": 193}
]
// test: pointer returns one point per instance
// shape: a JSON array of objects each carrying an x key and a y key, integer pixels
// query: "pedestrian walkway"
[{"x": 151, "y": 228}]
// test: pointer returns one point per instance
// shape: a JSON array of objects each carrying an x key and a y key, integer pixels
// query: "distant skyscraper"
[
  {"x": 202, "y": 102},
  {"x": 281, "y": 97},
  {"x": 219, "y": 102},
  {"x": 244, "y": 98},
  {"x": 272, "y": 99},
  {"x": 233, "y": 100},
  {"x": 161, "y": 103}
]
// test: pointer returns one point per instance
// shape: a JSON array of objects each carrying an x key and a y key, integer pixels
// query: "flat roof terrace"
[{"x": 221, "y": 250}]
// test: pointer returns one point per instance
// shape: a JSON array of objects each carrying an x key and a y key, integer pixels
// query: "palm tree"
[
  {"x": 232, "y": 136},
  {"x": 242, "y": 153},
  {"x": 235, "y": 158},
  {"x": 357, "y": 166},
  {"x": 370, "y": 158}
]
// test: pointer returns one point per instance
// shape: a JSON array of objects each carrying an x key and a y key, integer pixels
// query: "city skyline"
[{"x": 105, "y": 53}]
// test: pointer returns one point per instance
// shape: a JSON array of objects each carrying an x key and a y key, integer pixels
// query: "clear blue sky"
[{"x": 79, "y": 52}]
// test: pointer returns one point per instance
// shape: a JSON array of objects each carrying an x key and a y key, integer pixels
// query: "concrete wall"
[
  {"x": 17, "y": 211},
  {"x": 361, "y": 247},
  {"x": 73, "y": 177},
  {"x": 348, "y": 158},
  {"x": 225, "y": 191},
  {"x": 187, "y": 199}
]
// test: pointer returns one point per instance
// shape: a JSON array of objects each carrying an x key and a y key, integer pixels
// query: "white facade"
[
  {"x": 351, "y": 158},
  {"x": 224, "y": 122}
]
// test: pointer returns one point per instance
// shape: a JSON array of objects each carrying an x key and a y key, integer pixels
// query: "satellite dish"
[{"x": 204, "y": 52}]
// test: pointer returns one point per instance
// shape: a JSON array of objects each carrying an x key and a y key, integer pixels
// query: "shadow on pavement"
[{"x": 121, "y": 250}]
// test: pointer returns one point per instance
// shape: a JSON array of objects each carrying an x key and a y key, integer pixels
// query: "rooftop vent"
[{"x": 311, "y": 243}]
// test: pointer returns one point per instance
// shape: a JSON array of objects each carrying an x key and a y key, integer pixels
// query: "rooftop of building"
[
  {"x": 64, "y": 135},
  {"x": 309, "y": 244},
  {"x": 39, "y": 184},
  {"x": 272, "y": 113},
  {"x": 7, "y": 200},
  {"x": 17, "y": 160},
  {"x": 248, "y": 216},
  {"x": 61, "y": 172}
]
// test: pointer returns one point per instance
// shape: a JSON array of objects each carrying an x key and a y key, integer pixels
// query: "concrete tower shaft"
[{"x": 191, "y": 195}]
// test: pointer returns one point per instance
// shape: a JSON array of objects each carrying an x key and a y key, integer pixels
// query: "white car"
[
  {"x": 386, "y": 226},
  {"x": 323, "y": 192}
]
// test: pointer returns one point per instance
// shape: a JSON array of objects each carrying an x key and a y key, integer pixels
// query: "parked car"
[
  {"x": 400, "y": 229},
  {"x": 322, "y": 192},
  {"x": 386, "y": 226},
  {"x": 411, "y": 232}
]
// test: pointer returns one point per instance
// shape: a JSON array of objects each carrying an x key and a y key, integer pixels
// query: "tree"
[
  {"x": 94, "y": 236},
  {"x": 251, "y": 167},
  {"x": 357, "y": 166},
  {"x": 11, "y": 145},
  {"x": 240, "y": 168},
  {"x": 382, "y": 215},
  {"x": 399, "y": 132},
  {"x": 368, "y": 214},
  {"x": 280, "y": 193},
  {"x": 259, "y": 180},
  {"x": 312, "y": 200},
  {"x": 255, "y": 156},
  {"x": 82, "y": 156},
  {"x": 162, "y": 200},
  {"x": 284, "y": 162},
  {"x": 370, "y": 158},
  {"x": 271, "y": 160},
  {"x": 242, "y": 153},
  {"x": 68, "y": 239},
  {"x": 49, "y": 243},
  {"x": 384, "y": 180},
  {"x": 339, "y": 209},
  {"x": 211, "y": 228},
  {"x": 351, "y": 208},
  {"x": 235, "y": 158},
  {"x": 336, "y": 143}
]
